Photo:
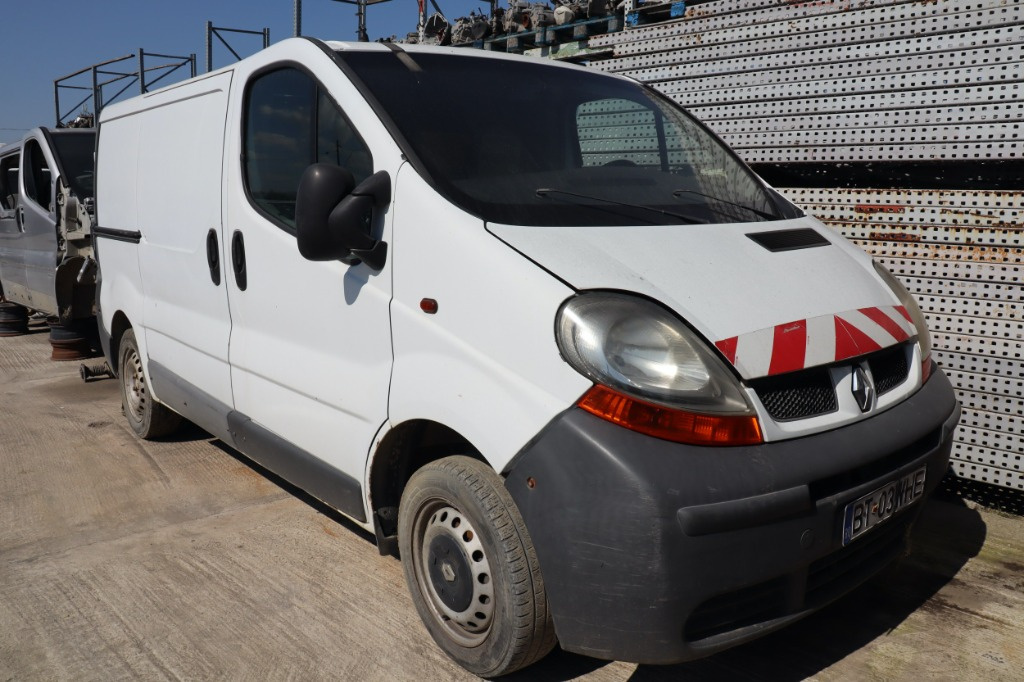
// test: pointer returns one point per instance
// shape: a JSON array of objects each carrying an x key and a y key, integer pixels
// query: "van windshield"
[{"x": 527, "y": 143}]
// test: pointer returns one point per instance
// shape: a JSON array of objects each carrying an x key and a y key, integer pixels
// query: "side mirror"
[
  {"x": 321, "y": 188},
  {"x": 333, "y": 218}
]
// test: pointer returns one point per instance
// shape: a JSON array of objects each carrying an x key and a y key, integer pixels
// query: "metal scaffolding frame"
[
  {"x": 107, "y": 73},
  {"x": 217, "y": 31},
  {"x": 361, "y": 6}
]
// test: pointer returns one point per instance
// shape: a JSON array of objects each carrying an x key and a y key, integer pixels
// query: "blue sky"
[{"x": 42, "y": 40}]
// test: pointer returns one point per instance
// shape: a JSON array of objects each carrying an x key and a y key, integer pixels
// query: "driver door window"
[{"x": 290, "y": 123}]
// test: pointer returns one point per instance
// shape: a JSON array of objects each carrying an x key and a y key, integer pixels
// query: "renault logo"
[{"x": 863, "y": 390}]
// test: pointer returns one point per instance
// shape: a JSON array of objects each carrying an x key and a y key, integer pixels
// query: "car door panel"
[{"x": 310, "y": 346}]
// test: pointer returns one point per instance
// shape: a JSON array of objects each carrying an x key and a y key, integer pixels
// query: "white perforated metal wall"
[
  {"x": 875, "y": 82},
  {"x": 960, "y": 254}
]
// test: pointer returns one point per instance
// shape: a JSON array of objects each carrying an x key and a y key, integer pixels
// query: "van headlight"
[{"x": 653, "y": 373}]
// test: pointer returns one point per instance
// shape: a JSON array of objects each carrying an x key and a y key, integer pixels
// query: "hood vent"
[{"x": 788, "y": 240}]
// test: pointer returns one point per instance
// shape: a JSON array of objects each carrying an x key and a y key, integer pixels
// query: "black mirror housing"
[
  {"x": 334, "y": 219},
  {"x": 323, "y": 186}
]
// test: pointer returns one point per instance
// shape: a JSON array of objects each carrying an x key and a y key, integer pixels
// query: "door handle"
[
  {"x": 238, "y": 260},
  {"x": 20, "y": 217},
  {"x": 213, "y": 256}
]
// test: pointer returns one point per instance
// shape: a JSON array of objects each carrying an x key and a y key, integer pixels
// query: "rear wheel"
[
  {"x": 148, "y": 418},
  {"x": 472, "y": 569}
]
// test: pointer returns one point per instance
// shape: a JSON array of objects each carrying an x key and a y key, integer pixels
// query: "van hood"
[{"x": 767, "y": 311}]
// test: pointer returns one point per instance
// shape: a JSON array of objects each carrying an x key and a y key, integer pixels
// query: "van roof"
[
  {"x": 469, "y": 53},
  {"x": 341, "y": 47}
]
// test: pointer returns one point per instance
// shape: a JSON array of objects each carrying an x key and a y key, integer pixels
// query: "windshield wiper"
[
  {"x": 545, "y": 191},
  {"x": 755, "y": 211}
]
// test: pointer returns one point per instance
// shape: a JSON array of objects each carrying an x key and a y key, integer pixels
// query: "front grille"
[
  {"x": 797, "y": 395},
  {"x": 809, "y": 392},
  {"x": 889, "y": 368}
]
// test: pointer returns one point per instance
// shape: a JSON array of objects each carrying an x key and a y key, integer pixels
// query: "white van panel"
[
  {"x": 486, "y": 364},
  {"x": 121, "y": 288},
  {"x": 117, "y": 202},
  {"x": 714, "y": 276},
  {"x": 310, "y": 347},
  {"x": 179, "y": 201},
  {"x": 117, "y": 209}
]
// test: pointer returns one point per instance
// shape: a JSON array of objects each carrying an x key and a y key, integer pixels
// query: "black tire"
[
  {"x": 148, "y": 418},
  {"x": 472, "y": 569},
  {"x": 13, "y": 319}
]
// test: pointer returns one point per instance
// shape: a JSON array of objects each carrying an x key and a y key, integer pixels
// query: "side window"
[
  {"x": 291, "y": 123},
  {"x": 37, "y": 174},
  {"x": 338, "y": 143},
  {"x": 279, "y": 115},
  {"x": 9, "y": 181}
]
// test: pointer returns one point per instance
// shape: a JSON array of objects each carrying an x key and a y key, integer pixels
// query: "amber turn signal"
[
  {"x": 669, "y": 423},
  {"x": 926, "y": 369}
]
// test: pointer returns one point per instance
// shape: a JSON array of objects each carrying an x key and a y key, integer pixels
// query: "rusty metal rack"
[
  {"x": 116, "y": 72},
  {"x": 651, "y": 12},
  {"x": 899, "y": 124},
  {"x": 218, "y": 33},
  {"x": 577, "y": 33}
]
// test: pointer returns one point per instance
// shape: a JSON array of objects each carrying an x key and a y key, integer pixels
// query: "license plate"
[{"x": 879, "y": 506}]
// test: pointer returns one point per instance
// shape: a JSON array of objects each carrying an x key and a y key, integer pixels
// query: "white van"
[
  {"x": 46, "y": 190},
  {"x": 533, "y": 326}
]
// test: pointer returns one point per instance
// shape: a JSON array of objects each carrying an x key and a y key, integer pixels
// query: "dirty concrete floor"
[{"x": 177, "y": 560}]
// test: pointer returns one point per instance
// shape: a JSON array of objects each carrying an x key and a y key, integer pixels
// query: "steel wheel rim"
[
  {"x": 134, "y": 385},
  {"x": 436, "y": 520}
]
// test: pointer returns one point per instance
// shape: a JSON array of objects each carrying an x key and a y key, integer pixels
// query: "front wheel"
[{"x": 472, "y": 569}]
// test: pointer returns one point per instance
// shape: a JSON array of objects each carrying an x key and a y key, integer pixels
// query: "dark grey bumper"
[{"x": 658, "y": 552}]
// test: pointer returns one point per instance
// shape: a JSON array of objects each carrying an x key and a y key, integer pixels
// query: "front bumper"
[{"x": 658, "y": 552}]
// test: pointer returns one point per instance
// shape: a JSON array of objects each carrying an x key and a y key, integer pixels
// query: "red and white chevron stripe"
[{"x": 817, "y": 341}]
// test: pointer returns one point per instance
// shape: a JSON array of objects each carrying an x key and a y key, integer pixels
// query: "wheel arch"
[
  {"x": 401, "y": 452},
  {"x": 119, "y": 324}
]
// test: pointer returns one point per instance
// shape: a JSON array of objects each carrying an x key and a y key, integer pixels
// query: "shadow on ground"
[
  {"x": 996, "y": 498},
  {"x": 294, "y": 491}
]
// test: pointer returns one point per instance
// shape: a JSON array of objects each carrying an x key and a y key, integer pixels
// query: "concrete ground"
[{"x": 121, "y": 559}]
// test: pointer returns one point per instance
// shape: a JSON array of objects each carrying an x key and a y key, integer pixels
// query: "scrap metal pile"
[{"x": 520, "y": 16}]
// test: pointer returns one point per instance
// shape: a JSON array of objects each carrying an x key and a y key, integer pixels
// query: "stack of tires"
[
  {"x": 73, "y": 340},
  {"x": 13, "y": 319}
]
